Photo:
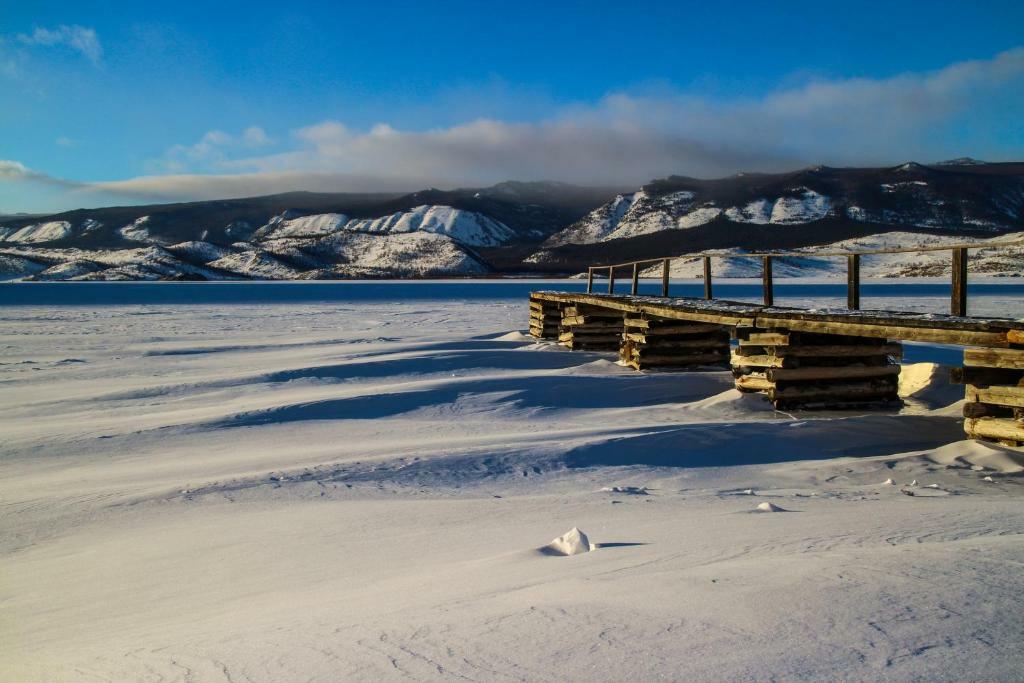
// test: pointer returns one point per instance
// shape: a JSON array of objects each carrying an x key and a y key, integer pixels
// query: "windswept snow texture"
[
  {"x": 643, "y": 214},
  {"x": 137, "y": 230},
  {"x": 358, "y": 491},
  {"x": 466, "y": 227},
  {"x": 37, "y": 232},
  {"x": 306, "y": 226},
  {"x": 805, "y": 207},
  {"x": 599, "y": 223}
]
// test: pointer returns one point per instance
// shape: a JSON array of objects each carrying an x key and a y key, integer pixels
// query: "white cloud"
[
  {"x": 968, "y": 108},
  {"x": 629, "y": 139},
  {"x": 254, "y": 137},
  {"x": 79, "y": 38},
  {"x": 211, "y": 149}
]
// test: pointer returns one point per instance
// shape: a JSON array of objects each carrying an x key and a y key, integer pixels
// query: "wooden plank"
[
  {"x": 1012, "y": 396},
  {"x": 635, "y": 285},
  {"x": 664, "y": 277},
  {"x": 985, "y": 410},
  {"x": 994, "y": 428},
  {"x": 591, "y": 321},
  {"x": 589, "y": 338},
  {"x": 731, "y": 312},
  {"x": 779, "y": 374},
  {"x": 656, "y": 341},
  {"x": 663, "y": 330},
  {"x": 1012, "y": 359},
  {"x": 839, "y": 350},
  {"x": 960, "y": 337},
  {"x": 984, "y": 376},
  {"x": 753, "y": 383},
  {"x": 681, "y": 360},
  {"x": 664, "y": 343},
  {"x": 765, "y": 339},
  {"x": 758, "y": 361},
  {"x": 766, "y": 281},
  {"x": 1015, "y": 336},
  {"x": 850, "y": 392},
  {"x": 590, "y": 280}
]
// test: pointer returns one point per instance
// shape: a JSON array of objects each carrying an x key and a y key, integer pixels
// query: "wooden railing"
[{"x": 958, "y": 296}]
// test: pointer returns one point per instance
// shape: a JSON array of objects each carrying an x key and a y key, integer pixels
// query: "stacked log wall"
[
  {"x": 811, "y": 370},
  {"x": 590, "y": 328},
  {"x": 994, "y": 394},
  {"x": 651, "y": 342},
  {"x": 545, "y": 319}
]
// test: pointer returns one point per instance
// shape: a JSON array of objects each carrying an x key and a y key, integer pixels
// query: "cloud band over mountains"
[{"x": 625, "y": 139}]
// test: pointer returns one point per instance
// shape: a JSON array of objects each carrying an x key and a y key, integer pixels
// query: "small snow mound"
[
  {"x": 572, "y": 542},
  {"x": 988, "y": 478},
  {"x": 629, "y": 490},
  {"x": 769, "y": 507},
  {"x": 889, "y": 482},
  {"x": 515, "y": 336}
]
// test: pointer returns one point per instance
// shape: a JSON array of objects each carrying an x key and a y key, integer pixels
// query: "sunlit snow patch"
[{"x": 572, "y": 542}]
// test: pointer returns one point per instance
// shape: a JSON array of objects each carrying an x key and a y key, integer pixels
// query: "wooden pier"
[{"x": 835, "y": 358}]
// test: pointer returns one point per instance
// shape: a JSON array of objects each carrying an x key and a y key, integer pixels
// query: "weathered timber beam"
[
  {"x": 994, "y": 428},
  {"x": 1012, "y": 359},
  {"x": 764, "y": 339},
  {"x": 887, "y": 331},
  {"x": 782, "y": 374},
  {"x": 760, "y": 361},
  {"x": 839, "y": 350},
  {"x": 750, "y": 383},
  {"x": 984, "y": 376},
  {"x": 1000, "y": 395}
]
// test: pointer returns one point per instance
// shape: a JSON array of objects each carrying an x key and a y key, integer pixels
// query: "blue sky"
[{"x": 114, "y": 102}]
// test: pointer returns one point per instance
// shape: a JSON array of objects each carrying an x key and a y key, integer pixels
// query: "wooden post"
[
  {"x": 590, "y": 280},
  {"x": 636, "y": 278},
  {"x": 958, "y": 298},
  {"x": 766, "y": 277},
  {"x": 664, "y": 278},
  {"x": 707, "y": 278},
  {"x": 853, "y": 282},
  {"x": 611, "y": 279}
]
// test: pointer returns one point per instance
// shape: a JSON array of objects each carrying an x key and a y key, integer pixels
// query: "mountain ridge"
[{"x": 512, "y": 227}]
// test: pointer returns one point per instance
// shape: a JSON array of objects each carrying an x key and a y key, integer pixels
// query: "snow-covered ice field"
[{"x": 361, "y": 491}]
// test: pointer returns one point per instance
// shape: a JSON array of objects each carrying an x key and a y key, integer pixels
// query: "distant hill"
[{"x": 514, "y": 227}]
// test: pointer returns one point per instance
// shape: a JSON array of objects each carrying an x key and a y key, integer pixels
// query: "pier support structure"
[
  {"x": 545, "y": 318},
  {"x": 811, "y": 370},
  {"x": 652, "y": 342},
  {"x": 994, "y": 393},
  {"x": 590, "y": 328}
]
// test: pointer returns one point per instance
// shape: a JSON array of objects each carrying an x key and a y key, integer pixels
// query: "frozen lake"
[
  {"x": 324, "y": 481},
  {"x": 987, "y": 296}
]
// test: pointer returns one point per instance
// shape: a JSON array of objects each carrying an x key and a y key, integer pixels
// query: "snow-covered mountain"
[
  {"x": 954, "y": 196},
  {"x": 544, "y": 228}
]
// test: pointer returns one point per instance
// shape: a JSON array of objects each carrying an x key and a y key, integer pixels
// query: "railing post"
[
  {"x": 958, "y": 298},
  {"x": 707, "y": 278},
  {"x": 590, "y": 280},
  {"x": 766, "y": 278},
  {"x": 636, "y": 278},
  {"x": 853, "y": 282},
  {"x": 611, "y": 279},
  {"x": 664, "y": 277}
]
